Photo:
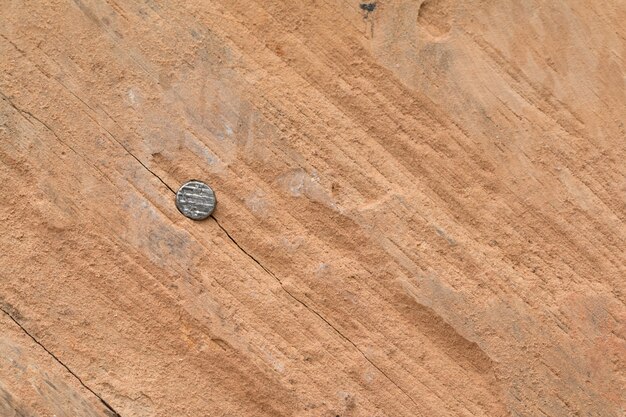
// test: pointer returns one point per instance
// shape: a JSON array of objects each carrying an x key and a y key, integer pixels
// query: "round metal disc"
[{"x": 195, "y": 200}]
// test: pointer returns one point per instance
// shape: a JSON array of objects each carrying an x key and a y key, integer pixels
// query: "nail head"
[{"x": 195, "y": 200}]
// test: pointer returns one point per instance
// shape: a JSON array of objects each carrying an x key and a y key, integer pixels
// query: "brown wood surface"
[{"x": 420, "y": 208}]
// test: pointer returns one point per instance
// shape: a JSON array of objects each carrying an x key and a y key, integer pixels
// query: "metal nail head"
[{"x": 195, "y": 200}]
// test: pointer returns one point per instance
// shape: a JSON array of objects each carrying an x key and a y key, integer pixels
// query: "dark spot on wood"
[
  {"x": 368, "y": 7},
  {"x": 10, "y": 310}
]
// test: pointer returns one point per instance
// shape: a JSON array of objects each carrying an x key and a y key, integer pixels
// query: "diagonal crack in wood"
[
  {"x": 314, "y": 312},
  {"x": 111, "y": 411}
]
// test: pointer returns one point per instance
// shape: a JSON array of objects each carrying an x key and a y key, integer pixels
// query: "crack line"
[
  {"x": 137, "y": 159},
  {"x": 110, "y": 409},
  {"x": 115, "y": 138},
  {"x": 314, "y": 312},
  {"x": 26, "y": 112}
]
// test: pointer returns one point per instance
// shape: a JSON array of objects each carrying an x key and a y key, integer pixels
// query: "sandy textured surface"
[{"x": 420, "y": 208}]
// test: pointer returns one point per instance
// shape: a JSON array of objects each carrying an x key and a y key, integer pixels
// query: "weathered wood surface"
[{"x": 420, "y": 208}]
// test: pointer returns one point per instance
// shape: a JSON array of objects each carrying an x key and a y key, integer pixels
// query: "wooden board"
[{"x": 420, "y": 208}]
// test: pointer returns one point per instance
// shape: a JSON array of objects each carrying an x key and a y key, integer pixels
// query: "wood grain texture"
[{"x": 421, "y": 208}]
